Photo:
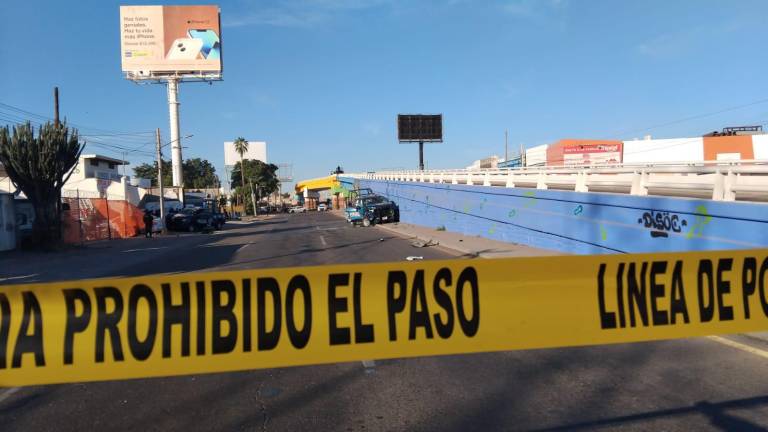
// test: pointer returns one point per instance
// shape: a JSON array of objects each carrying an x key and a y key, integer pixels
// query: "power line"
[
  {"x": 76, "y": 125},
  {"x": 694, "y": 117},
  {"x": 123, "y": 139}
]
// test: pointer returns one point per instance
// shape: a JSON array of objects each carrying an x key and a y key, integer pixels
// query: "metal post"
[
  {"x": 506, "y": 147},
  {"x": 421, "y": 155},
  {"x": 56, "y": 106},
  {"x": 160, "y": 180},
  {"x": 522, "y": 155},
  {"x": 109, "y": 221},
  {"x": 173, "y": 109},
  {"x": 79, "y": 217}
]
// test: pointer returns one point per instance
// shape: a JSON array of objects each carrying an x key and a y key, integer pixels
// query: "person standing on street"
[{"x": 148, "y": 219}]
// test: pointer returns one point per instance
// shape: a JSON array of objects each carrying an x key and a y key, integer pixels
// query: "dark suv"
[
  {"x": 371, "y": 209},
  {"x": 191, "y": 219}
]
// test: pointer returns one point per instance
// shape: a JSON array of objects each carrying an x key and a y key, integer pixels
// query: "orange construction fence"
[{"x": 91, "y": 219}]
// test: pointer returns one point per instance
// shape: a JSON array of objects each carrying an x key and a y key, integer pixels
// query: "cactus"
[{"x": 40, "y": 166}]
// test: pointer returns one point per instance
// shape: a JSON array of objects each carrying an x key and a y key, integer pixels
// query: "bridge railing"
[{"x": 744, "y": 180}]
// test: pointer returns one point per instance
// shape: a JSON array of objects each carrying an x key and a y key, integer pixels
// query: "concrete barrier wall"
[{"x": 581, "y": 223}]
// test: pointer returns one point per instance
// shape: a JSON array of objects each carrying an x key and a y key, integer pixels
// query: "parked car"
[
  {"x": 371, "y": 209},
  {"x": 297, "y": 209},
  {"x": 218, "y": 220},
  {"x": 191, "y": 219},
  {"x": 322, "y": 207}
]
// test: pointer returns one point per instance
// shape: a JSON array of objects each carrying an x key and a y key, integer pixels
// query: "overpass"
[
  {"x": 309, "y": 190},
  {"x": 620, "y": 208}
]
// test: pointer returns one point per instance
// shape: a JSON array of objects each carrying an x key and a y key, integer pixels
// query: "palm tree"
[{"x": 241, "y": 147}]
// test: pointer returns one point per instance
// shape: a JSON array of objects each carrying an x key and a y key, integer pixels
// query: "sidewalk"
[{"x": 468, "y": 245}]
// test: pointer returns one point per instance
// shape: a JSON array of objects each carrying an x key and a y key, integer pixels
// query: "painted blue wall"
[{"x": 576, "y": 222}]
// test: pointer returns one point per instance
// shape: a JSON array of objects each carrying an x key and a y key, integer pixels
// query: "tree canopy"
[
  {"x": 263, "y": 175},
  {"x": 199, "y": 173},
  {"x": 196, "y": 173},
  {"x": 241, "y": 146}
]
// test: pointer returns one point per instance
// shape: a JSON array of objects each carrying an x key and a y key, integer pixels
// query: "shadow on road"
[
  {"x": 305, "y": 250},
  {"x": 715, "y": 412}
]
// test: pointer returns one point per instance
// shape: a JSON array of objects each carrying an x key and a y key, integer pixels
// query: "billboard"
[
  {"x": 420, "y": 127},
  {"x": 257, "y": 150},
  {"x": 592, "y": 154},
  {"x": 158, "y": 41}
]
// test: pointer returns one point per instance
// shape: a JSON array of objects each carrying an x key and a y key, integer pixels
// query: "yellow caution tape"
[{"x": 104, "y": 329}]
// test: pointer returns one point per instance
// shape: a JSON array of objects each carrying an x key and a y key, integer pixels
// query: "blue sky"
[{"x": 323, "y": 80}]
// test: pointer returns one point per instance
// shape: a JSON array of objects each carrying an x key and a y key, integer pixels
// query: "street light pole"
[
  {"x": 160, "y": 181},
  {"x": 160, "y": 174}
]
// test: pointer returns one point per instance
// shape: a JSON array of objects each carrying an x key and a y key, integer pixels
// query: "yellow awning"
[{"x": 317, "y": 184}]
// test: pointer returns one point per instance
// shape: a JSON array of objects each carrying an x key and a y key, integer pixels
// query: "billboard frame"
[
  {"x": 161, "y": 77},
  {"x": 420, "y": 141},
  {"x": 408, "y": 141},
  {"x": 172, "y": 78}
]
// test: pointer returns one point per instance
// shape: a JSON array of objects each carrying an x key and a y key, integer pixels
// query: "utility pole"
[
  {"x": 160, "y": 180},
  {"x": 506, "y": 147},
  {"x": 56, "y": 106},
  {"x": 522, "y": 155}
]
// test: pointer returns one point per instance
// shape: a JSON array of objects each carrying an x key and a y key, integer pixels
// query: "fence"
[
  {"x": 745, "y": 180},
  {"x": 93, "y": 216},
  {"x": 576, "y": 222}
]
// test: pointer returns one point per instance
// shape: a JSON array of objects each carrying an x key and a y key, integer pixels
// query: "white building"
[
  {"x": 5, "y": 182},
  {"x": 98, "y": 167},
  {"x": 95, "y": 176}
]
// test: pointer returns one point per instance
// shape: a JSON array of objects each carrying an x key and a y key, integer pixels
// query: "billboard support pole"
[
  {"x": 421, "y": 155},
  {"x": 173, "y": 109}
]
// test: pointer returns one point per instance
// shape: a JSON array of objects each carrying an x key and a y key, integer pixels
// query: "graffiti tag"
[{"x": 662, "y": 223}]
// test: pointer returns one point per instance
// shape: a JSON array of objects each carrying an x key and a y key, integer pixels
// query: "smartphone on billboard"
[
  {"x": 185, "y": 49},
  {"x": 211, "y": 49}
]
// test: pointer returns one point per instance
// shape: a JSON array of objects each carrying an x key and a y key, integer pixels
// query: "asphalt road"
[{"x": 692, "y": 384}]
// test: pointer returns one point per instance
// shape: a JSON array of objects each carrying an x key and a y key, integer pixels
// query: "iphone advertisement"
[{"x": 178, "y": 40}]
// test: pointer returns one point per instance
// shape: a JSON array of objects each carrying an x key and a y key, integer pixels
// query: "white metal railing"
[{"x": 718, "y": 180}]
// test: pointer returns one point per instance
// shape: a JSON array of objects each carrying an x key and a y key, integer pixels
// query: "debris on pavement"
[{"x": 421, "y": 244}]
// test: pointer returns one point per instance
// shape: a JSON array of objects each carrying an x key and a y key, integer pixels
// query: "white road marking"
[
  {"x": 8, "y": 393},
  {"x": 369, "y": 363},
  {"x": 145, "y": 249},
  {"x": 746, "y": 348},
  {"x": 18, "y": 277},
  {"x": 242, "y": 247},
  {"x": 322, "y": 240}
]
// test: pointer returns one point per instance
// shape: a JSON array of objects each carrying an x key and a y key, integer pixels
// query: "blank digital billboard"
[
  {"x": 420, "y": 127},
  {"x": 257, "y": 150}
]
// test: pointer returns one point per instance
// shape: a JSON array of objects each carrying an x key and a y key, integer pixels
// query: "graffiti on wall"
[{"x": 661, "y": 223}]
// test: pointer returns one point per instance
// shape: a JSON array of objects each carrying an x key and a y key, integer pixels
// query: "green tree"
[
  {"x": 241, "y": 147},
  {"x": 262, "y": 175},
  {"x": 149, "y": 171},
  {"x": 40, "y": 166},
  {"x": 196, "y": 173},
  {"x": 199, "y": 174}
]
